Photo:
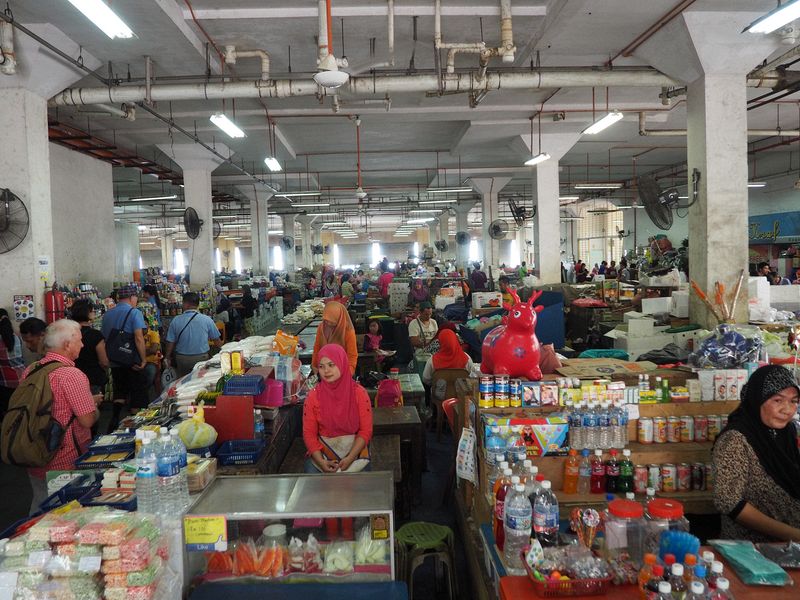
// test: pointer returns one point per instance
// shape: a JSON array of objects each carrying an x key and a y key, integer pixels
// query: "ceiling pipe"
[
  {"x": 643, "y": 131},
  {"x": 127, "y": 112},
  {"x": 232, "y": 54},
  {"x": 9, "y": 64},
  {"x": 771, "y": 65},
  {"x": 368, "y": 86}
]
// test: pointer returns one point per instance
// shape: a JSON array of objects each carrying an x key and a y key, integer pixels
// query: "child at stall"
[{"x": 372, "y": 343}]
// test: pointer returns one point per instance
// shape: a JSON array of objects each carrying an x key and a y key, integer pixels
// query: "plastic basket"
[
  {"x": 203, "y": 451},
  {"x": 124, "y": 442},
  {"x": 571, "y": 587},
  {"x": 93, "y": 499},
  {"x": 240, "y": 452},
  {"x": 244, "y": 385},
  {"x": 85, "y": 462}
]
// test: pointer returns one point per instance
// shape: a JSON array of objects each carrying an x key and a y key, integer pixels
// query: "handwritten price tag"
[{"x": 207, "y": 533}]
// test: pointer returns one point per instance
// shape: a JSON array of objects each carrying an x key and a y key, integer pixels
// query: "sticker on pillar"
[
  {"x": 23, "y": 306},
  {"x": 43, "y": 266}
]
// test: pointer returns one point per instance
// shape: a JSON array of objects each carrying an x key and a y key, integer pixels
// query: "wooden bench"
[{"x": 384, "y": 452}]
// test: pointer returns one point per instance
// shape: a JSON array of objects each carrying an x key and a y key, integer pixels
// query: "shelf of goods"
[
  {"x": 284, "y": 528},
  {"x": 552, "y": 467}
]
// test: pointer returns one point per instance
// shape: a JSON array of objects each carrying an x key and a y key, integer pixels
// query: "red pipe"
[{"x": 330, "y": 26}]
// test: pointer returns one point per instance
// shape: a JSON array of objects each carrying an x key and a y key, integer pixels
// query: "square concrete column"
[
  {"x": 306, "y": 240},
  {"x": 289, "y": 255},
  {"x": 198, "y": 164},
  {"x": 462, "y": 224},
  {"x": 546, "y": 224},
  {"x": 489, "y": 188},
  {"x": 167, "y": 253},
  {"x": 259, "y": 229}
]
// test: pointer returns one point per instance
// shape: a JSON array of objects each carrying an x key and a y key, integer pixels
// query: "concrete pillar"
[
  {"x": 489, "y": 188},
  {"x": 259, "y": 228},
  {"x": 546, "y": 224},
  {"x": 707, "y": 51},
  {"x": 433, "y": 234},
  {"x": 197, "y": 164},
  {"x": 316, "y": 240},
  {"x": 167, "y": 254},
  {"x": 305, "y": 240},
  {"x": 462, "y": 224},
  {"x": 290, "y": 255},
  {"x": 25, "y": 165},
  {"x": 444, "y": 234}
]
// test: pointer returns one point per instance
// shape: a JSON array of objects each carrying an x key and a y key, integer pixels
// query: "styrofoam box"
[
  {"x": 632, "y": 314},
  {"x": 638, "y": 346},
  {"x": 682, "y": 339},
  {"x": 785, "y": 297},
  {"x": 680, "y": 304},
  {"x": 638, "y": 328},
  {"x": 706, "y": 377},
  {"x": 482, "y": 299},
  {"x": 758, "y": 287},
  {"x": 654, "y": 306}
]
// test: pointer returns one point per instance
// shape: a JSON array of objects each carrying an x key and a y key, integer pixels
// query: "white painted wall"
[
  {"x": 83, "y": 217},
  {"x": 645, "y": 228}
]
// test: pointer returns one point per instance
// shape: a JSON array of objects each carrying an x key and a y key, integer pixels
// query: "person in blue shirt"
[
  {"x": 150, "y": 293},
  {"x": 188, "y": 336},
  {"x": 128, "y": 381}
]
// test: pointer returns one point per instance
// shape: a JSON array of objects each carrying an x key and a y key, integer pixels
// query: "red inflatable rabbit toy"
[{"x": 513, "y": 348}]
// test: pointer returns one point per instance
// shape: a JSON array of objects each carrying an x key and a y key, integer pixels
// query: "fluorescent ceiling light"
[
  {"x": 448, "y": 190},
  {"x": 539, "y": 158},
  {"x": 775, "y": 19},
  {"x": 235, "y": 225},
  {"x": 434, "y": 211},
  {"x": 756, "y": 184},
  {"x": 572, "y": 218},
  {"x": 99, "y": 13},
  {"x": 442, "y": 201},
  {"x": 322, "y": 214},
  {"x": 274, "y": 166},
  {"x": 422, "y": 220},
  {"x": 141, "y": 227},
  {"x": 146, "y": 198},
  {"x": 631, "y": 207},
  {"x": 226, "y": 125},
  {"x": 597, "y": 186},
  {"x": 181, "y": 240},
  {"x": 569, "y": 197},
  {"x": 275, "y": 232},
  {"x": 163, "y": 228},
  {"x": 603, "y": 123},
  {"x": 329, "y": 223},
  {"x": 297, "y": 194},
  {"x": 312, "y": 205}
]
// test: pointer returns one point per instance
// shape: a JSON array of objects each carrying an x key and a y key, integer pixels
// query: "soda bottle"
[
  {"x": 612, "y": 472},
  {"x": 677, "y": 582},
  {"x": 715, "y": 575},
  {"x": 659, "y": 389},
  {"x": 700, "y": 575},
  {"x": 651, "y": 587},
  {"x": 496, "y": 486},
  {"x": 494, "y": 471},
  {"x": 146, "y": 478},
  {"x": 518, "y": 515},
  {"x": 503, "y": 485},
  {"x": 665, "y": 396},
  {"x": 646, "y": 572},
  {"x": 571, "y": 472},
  {"x": 545, "y": 516},
  {"x": 697, "y": 591},
  {"x": 722, "y": 591},
  {"x": 664, "y": 591},
  {"x": 625, "y": 481},
  {"x": 669, "y": 560},
  {"x": 584, "y": 472},
  {"x": 597, "y": 483},
  {"x": 689, "y": 565}
]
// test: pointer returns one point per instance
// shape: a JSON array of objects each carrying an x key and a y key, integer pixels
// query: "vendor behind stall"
[
  {"x": 449, "y": 356},
  {"x": 336, "y": 328},
  {"x": 757, "y": 463},
  {"x": 419, "y": 293},
  {"x": 347, "y": 287},
  {"x": 337, "y": 417},
  {"x": 423, "y": 329},
  {"x": 504, "y": 283}
]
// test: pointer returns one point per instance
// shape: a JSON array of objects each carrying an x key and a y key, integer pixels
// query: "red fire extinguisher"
[{"x": 54, "y": 304}]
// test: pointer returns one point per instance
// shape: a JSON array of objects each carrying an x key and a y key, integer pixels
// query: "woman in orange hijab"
[{"x": 336, "y": 328}]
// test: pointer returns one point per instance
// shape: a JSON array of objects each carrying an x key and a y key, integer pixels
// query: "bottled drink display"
[
  {"x": 697, "y": 591},
  {"x": 545, "y": 516},
  {"x": 147, "y": 478},
  {"x": 258, "y": 425},
  {"x": 169, "y": 476},
  {"x": 714, "y": 575},
  {"x": 597, "y": 483},
  {"x": 590, "y": 427},
  {"x": 571, "y": 472},
  {"x": 518, "y": 515},
  {"x": 677, "y": 582},
  {"x": 664, "y": 591},
  {"x": 584, "y": 472},
  {"x": 575, "y": 420},
  {"x": 722, "y": 591},
  {"x": 503, "y": 485},
  {"x": 646, "y": 572},
  {"x": 181, "y": 449},
  {"x": 612, "y": 472},
  {"x": 603, "y": 427},
  {"x": 625, "y": 481}
]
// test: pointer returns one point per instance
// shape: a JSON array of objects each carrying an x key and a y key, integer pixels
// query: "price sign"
[{"x": 207, "y": 533}]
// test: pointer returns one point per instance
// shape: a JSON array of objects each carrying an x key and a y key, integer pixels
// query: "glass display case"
[{"x": 286, "y": 528}]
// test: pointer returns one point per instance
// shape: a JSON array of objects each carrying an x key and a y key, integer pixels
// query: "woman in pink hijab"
[{"x": 337, "y": 417}]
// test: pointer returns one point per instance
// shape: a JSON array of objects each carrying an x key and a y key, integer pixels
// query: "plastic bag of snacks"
[
  {"x": 728, "y": 347},
  {"x": 339, "y": 558},
  {"x": 369, "y": 551},
  {"x": 285, "y": 344},
  {"x": 195, "y": 432}
]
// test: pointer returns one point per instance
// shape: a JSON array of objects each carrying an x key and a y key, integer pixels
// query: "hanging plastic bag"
[{"x": 465, "y": 457}]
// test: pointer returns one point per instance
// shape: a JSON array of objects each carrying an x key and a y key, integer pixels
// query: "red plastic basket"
[{"x": 571, "y": 587}]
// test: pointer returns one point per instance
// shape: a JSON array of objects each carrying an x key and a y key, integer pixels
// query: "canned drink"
[
  {"x": 709, "y": 472},
  {"x": 687, "y": 428},
  {"x": 701, "y": 428},
  {"x": 514, "y": 386},
  {"x": 673, "y": 430},
  {"x": 654, "y": 477},
  {"x": 501, "y": 384},
  {"x": 698, "y": 477},
  {"x": 640, "y": 479},
  {"x": 486, "y": 400},
  {"x": 645, "y": 430},
  {"x": 501, "y": 400},
  {"x": 684, "y": 477},
  {"x": 659, "y": 430},
  {"x": 669, "y": 473},
  {"x": 515, "y": 394},
  {"x": 486, "y": 385},
  {"x": 714, "y": 427}
]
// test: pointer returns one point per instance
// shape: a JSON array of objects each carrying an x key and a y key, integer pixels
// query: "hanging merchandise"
[{"x": 465, "y": 458}]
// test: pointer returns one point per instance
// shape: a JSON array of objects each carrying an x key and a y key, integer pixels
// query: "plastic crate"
[
  {"x": 244, "y": 385},
  {"x": 203, "y": 451},
  {"x": 240, "y": 452},
  {"x": 93, "y": 499},
  {"x": 83, "y": 461},
  {"x": 571, "y": 587}
]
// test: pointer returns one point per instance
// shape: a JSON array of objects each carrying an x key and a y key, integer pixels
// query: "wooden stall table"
[{"x": 404, "y": 421}]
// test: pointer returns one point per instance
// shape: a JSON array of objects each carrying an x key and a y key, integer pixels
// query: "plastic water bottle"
[
  {"x": 622, "y": 435},
  {"x": 722, "y": 591},
  {"x": 575, "y": 420},
  {"x": 518, "y": 466},
  {"x": 169, "y": 477},
  {"x": 531, "y": 486},
  {"x": 518, "y": 516},
  {"x": 584, "y": 472},
  {"x": 147, "y": 500},
  {"x": 496, "y": 444},
  {"x": 604, "y": 427},
  {"x": 697, "y": 591},
  {"x": 664, "y": 591},
  {"x": 590, "y": 437},
  {"x": 258, "y": 426},
  {"x": 545, "y": 516},
  {"x": 178, "y": 444},
  {"x": 494, "y": 470}
]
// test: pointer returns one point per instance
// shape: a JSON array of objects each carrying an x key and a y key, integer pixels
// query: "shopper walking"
[
  {"x": 73, "y": 406},
  {"x": 11, "y": 363},
  {"x": 188, "y": 336}
]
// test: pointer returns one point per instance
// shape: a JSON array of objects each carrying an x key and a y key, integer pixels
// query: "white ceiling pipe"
[
  {"x": 127, "y": 112},
  {"x": 390, "y": 34},
  {"x": 9, "y": 64},
  {"x": 366, "y": 86},
  {"x": 643, "y": 131},
  {"x": 232, "y": 54},
  {"x": 507, "y": 48},
  {"x": 322, "y": 43}
]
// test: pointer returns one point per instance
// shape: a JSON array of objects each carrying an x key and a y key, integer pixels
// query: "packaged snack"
[
  {"x": 111, "y": 553},
  {"x": 312, "y": 557},
  {"x": 144, "y": 592},
  {"x": 89, "y": 533},
  {"x": 116, "y": 593},
  {"x": 339, "y": 558},
  {"x": 369, "y": 551},
  {"x": 146, "y": 576},
  {"x": 114, "y": 580},
  {"x": 296, "y": 554},
  {"x": 16, "y": 546},
  {"x": 114, "y": 533},
  {"x": 111, "y": 566}
]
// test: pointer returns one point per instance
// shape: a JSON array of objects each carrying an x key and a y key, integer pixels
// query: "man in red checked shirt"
[{"x": 71, "y": 397}]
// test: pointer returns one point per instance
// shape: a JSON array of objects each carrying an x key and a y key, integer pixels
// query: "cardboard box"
[
  {"x": 680, "y": 304},
  {"x": 487, "y": 300},
  {"x": 598, "y": 368},
  {"x": 654, "y": 306},
  {"x": 706, "y": 379},
  {"x": 540, "y": 436}
]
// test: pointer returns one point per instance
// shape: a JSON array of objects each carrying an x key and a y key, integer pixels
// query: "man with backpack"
[{"x": 54, "y": 407}]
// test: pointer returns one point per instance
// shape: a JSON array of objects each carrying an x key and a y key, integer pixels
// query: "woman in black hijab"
[{"x": 757, "y": 463}]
